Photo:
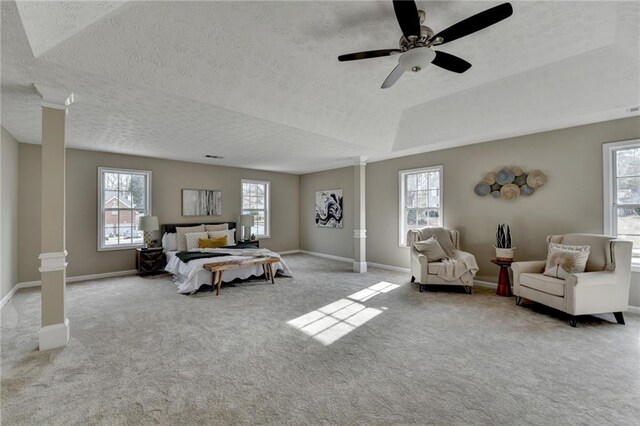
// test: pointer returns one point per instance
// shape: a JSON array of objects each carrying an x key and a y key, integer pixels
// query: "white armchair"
[
  {"x": 425, "y": 272},
  {"x": 602, "y": 288}
]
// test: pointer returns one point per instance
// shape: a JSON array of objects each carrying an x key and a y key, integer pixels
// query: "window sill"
[{"x": 129, "y": 247}]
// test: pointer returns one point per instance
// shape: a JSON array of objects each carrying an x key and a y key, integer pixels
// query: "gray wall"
[
  {"x": 331, "y": 241},
  {"x": 572, "y": 201},
  {"x": 169, "y": 177},
  {"x": 8, "y": 212}
]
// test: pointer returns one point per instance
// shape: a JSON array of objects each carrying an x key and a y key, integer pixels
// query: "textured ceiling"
[{"x": 259, "y": 82}]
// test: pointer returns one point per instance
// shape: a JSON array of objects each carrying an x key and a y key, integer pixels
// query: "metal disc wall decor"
[
  {"x": 509, "y": 183},
  {"x": 482, "y": 189},
  {"x": 504, "y": 177}
]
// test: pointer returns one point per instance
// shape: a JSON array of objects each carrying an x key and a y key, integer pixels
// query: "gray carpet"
[{"x": 142, "y": 354}]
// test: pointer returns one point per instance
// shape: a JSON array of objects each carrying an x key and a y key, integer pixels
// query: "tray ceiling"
[{"x": 259, "y": 82}]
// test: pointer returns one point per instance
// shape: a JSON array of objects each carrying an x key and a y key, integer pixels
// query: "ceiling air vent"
[{"x": 217, "y": 157}]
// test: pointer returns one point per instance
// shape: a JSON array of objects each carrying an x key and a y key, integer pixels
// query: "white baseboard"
[
  {"x": 8, "y": 296},
  {"x": 79, "y": 278},
  {"x": 328, "y": 256},
  {"x": 54, "y": 336},
  {"x": 633, "y": 309},
  {"x": 348, "y": 260},
  {"x": 289, "y": 252},
  {"x": 28, "y": 284},
  {"x": 389, "y": 267},
  {"x": 485, "y": 284}
]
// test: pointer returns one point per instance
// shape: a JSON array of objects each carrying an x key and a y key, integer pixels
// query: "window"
[
  {"x": 255, "y": 201},
  {"x": 420, "y": 199},
  {"x": 123, "y": 196},
  {"x": 621, "y": 165}
]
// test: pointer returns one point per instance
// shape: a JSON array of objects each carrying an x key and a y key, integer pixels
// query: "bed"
[{"x": 190, "y": 276}]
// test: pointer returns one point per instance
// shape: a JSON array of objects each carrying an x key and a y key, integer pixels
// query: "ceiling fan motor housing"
[{"x": 426, "y": 34}]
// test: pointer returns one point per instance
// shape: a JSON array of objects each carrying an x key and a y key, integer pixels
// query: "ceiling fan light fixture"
[{"x": 416, "y": 59}]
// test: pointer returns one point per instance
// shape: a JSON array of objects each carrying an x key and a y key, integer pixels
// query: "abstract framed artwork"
[
  {"x": 201, "y": 202},
  {"x": 329, "y": 208}
]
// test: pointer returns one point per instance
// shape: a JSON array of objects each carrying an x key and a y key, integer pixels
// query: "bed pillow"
[
  {"x": 170, "y": 241},
  {"x": 213, "y": 228},
  {"x": 432, "y": 249},
  {"x": 193, "y": 239},
  {"x": 213, "y": 242},
  {"x": 230, "y": 234},
  {"x": 563, "y": 260},
  {"x": 182, "y": 231}
]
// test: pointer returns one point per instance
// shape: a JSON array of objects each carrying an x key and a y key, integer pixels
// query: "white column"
[
  {"x": 55, "y": 324},
  {"x": 359, "y": 214}
]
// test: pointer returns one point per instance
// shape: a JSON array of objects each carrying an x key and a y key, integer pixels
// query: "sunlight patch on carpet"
[{"x": 337, "y": 319}]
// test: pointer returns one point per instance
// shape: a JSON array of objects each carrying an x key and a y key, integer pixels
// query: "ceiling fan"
[{"x": 417, "y": 40}]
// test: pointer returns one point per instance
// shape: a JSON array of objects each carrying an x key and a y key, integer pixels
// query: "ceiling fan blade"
[
  {"x": 367, "y": 55},
  {"x": 475, "y": 23},
  {"x": 450, "y": 62},
  {"x": 393, "y": 77},
  {"x": 407, "y": 14}
]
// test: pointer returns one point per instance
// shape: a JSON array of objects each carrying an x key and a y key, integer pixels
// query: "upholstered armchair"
[
  {"x": 425, "y": 272},
  {"x": 602, "y": 288}
]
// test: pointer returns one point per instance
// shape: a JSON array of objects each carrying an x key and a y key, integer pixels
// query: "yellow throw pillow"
[{"x": 213, "y": 242}]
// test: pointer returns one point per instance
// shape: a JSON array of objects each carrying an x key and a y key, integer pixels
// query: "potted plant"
[{"x": 504, "y": 251}]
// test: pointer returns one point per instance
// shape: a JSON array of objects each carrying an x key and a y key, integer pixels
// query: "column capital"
[{"x": 53, "y": 97}]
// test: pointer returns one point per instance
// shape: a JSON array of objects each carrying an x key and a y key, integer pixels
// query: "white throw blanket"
[{"x": 458, "y": 267}]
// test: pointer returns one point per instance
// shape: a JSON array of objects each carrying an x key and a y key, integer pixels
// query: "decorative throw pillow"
[
  {"x": 213, "y": 242},
  {"x": 443, "y": 236},
  {"x": 431, "y": 248},
  {"x": 193, "y": 239},
  {"x": 563, "y": 260},
  {"x": 230, "y": 234},
  {"x": 182, "y": 231},
  {"x": 170, "y": 241},
  {"x": 446, "y": 244},
  {"x": 213, "y": 228}
]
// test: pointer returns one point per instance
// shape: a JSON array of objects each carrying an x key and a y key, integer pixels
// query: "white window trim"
[
  {"x": 402, "y": 232},
  {"x": 101, "y": 171},
  {"x": 609, "y": 172},
  {"x": 267, "y": 209}
]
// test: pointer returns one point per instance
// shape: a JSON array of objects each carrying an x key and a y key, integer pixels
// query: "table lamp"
[
  {"x": 148, "y": 225},
  {"x": 246, "y": 221}
]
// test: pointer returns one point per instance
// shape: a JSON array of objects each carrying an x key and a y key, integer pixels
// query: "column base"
[
  {"x": 54, "y": 336},
  {"x": 360, "y": 267}
]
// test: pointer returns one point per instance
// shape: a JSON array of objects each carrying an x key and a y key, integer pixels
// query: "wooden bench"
[{"x": 220, "y": 267}]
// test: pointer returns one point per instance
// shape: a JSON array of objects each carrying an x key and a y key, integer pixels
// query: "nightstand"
[
  {"x": 150, "y": 261},
  {"x": 248, "y": 244}
]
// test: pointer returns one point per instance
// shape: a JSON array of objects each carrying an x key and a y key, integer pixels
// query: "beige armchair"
[
  {"x": 425, "y": 272},
  {"x": 602, "y": 288}
]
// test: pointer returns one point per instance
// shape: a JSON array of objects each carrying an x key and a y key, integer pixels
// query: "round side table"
[{"x": 504, "y": 284}]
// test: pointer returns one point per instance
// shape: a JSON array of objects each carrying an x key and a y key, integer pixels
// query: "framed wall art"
[{"x": 201, "y": 202}]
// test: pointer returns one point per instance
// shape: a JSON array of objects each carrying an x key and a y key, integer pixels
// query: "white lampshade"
[
  {"x": 246, "y": 220},
  {"x": 148, "y": 223},
  {"x": 416, "y": 59}
]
